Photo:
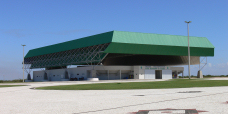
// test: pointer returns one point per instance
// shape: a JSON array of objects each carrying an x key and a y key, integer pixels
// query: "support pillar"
[
  {"x": 177, "y": 74},
  {"x": 93, "y": 74},
  {"x": 28, "y": 78},
  {"x": 120, "y": 74},
  {"x": 199, "y": 74},
  {"x": 108, "y": 74}
]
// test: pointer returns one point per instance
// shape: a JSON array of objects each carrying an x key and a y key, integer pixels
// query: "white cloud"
[
  {"x": 216, "y": 69},
  {"x": 16, "y": 32},
  {"x": 209, "y": 64},
  {"x": 221, "y": 65}
]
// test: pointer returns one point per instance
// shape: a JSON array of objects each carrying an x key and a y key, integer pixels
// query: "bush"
[
  {"x": 206, "y": 76},
  {"x": 11, "y": 81}
]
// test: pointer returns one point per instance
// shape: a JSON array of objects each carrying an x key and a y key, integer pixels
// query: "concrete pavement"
[{"x": 23, "y": 100}]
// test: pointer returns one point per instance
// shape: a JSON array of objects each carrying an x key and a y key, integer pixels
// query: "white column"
[
  {"x": 177, "y": 74},
  {"x": 120, "y": 74},
  {"x": 108, "y": 74}
]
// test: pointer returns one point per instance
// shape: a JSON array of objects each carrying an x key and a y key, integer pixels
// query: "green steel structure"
[{"x": 121, "y": 48}]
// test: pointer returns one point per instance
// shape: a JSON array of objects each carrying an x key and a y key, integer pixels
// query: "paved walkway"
[{"x": 23, "y": 100}]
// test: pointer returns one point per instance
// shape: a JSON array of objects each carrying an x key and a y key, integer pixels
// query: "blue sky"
[{"x": 38, "y": 23}]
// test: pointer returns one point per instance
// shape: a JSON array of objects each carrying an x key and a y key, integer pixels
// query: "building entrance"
[{"x": 158, "y": 74}]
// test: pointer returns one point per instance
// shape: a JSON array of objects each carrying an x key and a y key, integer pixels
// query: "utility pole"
[
  {"x": 189, "y": 73},
  {"x": 23, "y": 63}
]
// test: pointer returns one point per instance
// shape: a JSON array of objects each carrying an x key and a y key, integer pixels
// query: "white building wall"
[
  {"x": 56, "y": 74},
  {"x": 38, "y": 76},
  {"x": 136, "y": 72},
  {"x": 79, "y": 72},
  {"x": 149, "y": 74},
  {"x": 113, "y": 67},
  {"x": 114, "y": 76},
  {"x": 166, "y": 74},
  {"x": 114, "y": 72},
  {"x": 105, "y": 73},
  {"x": 141, "y": 74},
  {"x": 102, "y": 76}
]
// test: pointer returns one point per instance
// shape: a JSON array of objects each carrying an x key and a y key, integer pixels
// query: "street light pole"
[
  {"x": 189, "y": 73},
  {"x": 23, "y": 62}
]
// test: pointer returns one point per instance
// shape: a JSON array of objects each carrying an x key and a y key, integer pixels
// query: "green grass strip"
[
  {"x": 11, "y": 81},
  {"x": 175, "y": 83},
  {"x": 10, "y": 85}
]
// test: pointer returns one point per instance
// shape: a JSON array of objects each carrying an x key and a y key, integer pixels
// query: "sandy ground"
[{"x": 24, "y": 100}]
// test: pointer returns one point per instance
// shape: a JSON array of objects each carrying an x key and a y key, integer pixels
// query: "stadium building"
[{"x": 117, "y": 55}]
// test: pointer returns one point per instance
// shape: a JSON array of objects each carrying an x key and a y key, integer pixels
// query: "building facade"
[
  {"x": 108, "y": 73},
  {"x": 121, "y": 51}
]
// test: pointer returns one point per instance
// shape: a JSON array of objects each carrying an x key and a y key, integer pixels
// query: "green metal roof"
[
  {"x": 73, "y": 44},
  {"x": 135, "y": 43},
  {"x": 159, "y": 39}
]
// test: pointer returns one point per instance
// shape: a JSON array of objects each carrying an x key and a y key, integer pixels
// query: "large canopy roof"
[
  {"x": 135, "y": 43},
  {"x": 120, "y": 48}
]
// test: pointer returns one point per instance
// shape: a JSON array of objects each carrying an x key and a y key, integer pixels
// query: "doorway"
[{"x": 158, "y": 74}]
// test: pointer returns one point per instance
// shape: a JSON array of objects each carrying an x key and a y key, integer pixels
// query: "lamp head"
[{"x": 188, "y": 22}]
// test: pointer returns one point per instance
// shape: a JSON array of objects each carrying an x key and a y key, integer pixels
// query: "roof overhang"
[{"x": 144, "y": 48}]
